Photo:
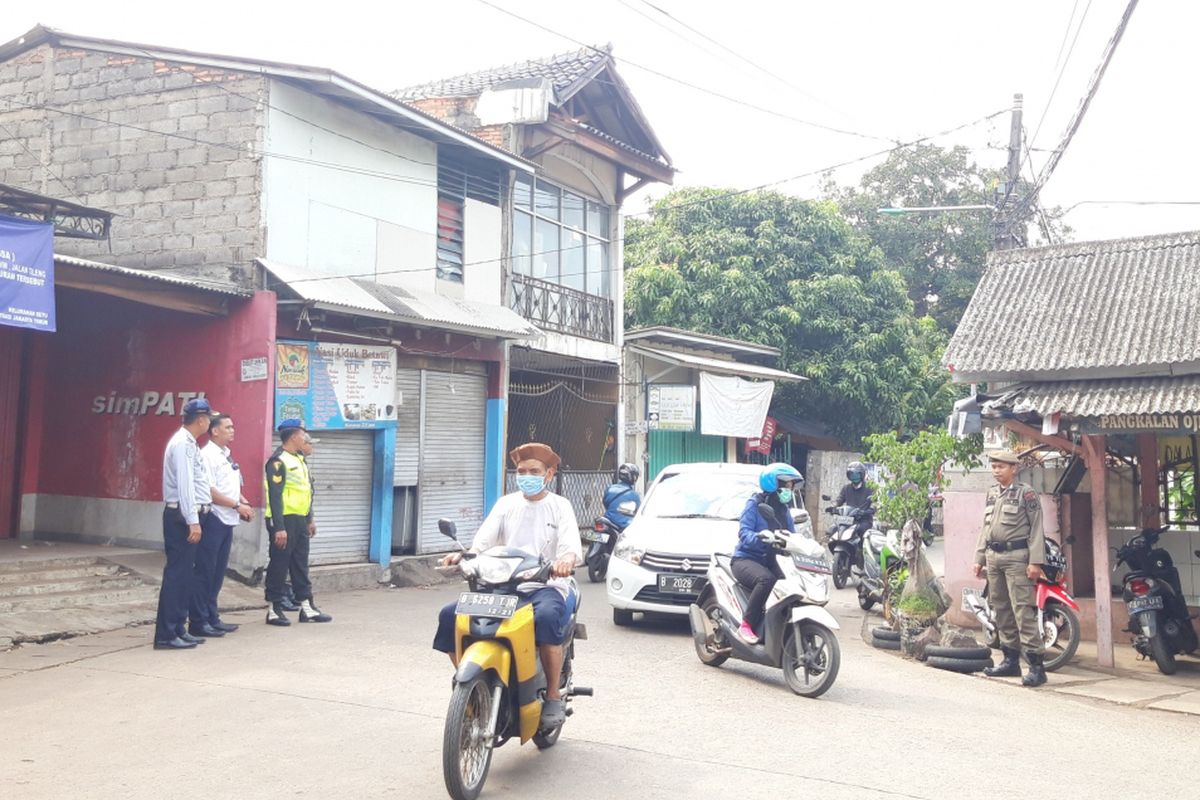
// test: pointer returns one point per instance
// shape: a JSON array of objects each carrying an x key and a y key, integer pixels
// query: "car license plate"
[
  {"x": 680, "y": 584},
  {"x": 971, "y": 598},
  {"x": 595, "y": 536},
  {"x": 1154, "y": 603},
  {"x": 475, "y": 604}
]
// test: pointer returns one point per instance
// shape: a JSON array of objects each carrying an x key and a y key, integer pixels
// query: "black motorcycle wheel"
[
  {"x": 864, "y": 599},
  {"x": 707, "y": 650},
  {"x": 466, "y": 746},
  {"x": 1163, "y": 657},
  {"x": 1063, "y": 639},
  {"x": 811, "y": 657},
  {"x": 841, "y": 569},
  {"x": 596, "y": 568}
]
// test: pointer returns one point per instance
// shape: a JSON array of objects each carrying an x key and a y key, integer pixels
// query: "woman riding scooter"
[{"x": 754, "y": 563}]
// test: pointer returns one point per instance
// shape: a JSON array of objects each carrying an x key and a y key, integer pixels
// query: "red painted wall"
[{"x": 105, "y": 346}]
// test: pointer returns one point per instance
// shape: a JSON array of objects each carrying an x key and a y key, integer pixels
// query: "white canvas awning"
[{"x": 717, "y": 366}]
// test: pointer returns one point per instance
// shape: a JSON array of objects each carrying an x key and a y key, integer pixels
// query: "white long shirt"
[
  {"x": 184, "y": 480},
  {"x": 224, "y": 478},
  {"x": 545, "y": 527}
]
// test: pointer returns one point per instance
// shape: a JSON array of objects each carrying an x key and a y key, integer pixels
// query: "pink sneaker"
[{"x": 747, "y": 633}]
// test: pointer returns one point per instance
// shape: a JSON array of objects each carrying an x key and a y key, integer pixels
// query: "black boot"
[
  {"x": 1037, "y": 671},
  {"x": 1010, "y": 667}
]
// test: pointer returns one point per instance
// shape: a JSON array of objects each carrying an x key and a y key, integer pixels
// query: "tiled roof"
[
  {"x": 565, "y": 72},
  {"x": 1121, "y": 396},
  {"x": 1109, "y": 309}
]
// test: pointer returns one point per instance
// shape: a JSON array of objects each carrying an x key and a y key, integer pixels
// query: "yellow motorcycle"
[{"x": 499, "y": 686}]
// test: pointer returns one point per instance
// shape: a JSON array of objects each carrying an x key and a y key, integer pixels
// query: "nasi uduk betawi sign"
[
  {"x": 27, "y": 274},
  {"x": 331, "y": 385}
]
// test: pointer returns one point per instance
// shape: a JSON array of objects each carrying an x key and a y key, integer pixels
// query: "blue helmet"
[{"x": 769, "y": 478}]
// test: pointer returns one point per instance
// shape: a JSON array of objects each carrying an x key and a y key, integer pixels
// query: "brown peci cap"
[
  {"x": 1005, "y": 457},
  {"x": 535, "y": 450}
]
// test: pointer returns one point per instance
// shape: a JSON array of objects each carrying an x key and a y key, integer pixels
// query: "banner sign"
[
  {"x": 27, "y": 274},
  {"x": 764, "y": 443},
  {"x": 1165, "y": 424},
  {"x": 332, "y": 386},
  {"x": 671, "y": 407}
]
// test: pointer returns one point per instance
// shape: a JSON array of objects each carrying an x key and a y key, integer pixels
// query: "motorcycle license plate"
[
  {"x": 842, "y": 519},
  {"x": 680, "y": 584},
  {"x": 971, "y": 598},
  {"x": 1154, "y": 603},
  {"x": 595, "y": 536},
  {"x": 475, "y": 604}
]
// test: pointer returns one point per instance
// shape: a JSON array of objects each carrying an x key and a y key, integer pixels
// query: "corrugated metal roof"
[
  {"x": 717, "y": 365},
  {"x": 1101, "y": 397},
  {"x": 1093, "y": 309},
  {"x": 142, "y": 274},
  {"x": 565, "y": 71},
  {"x": 403, "y": 305}
]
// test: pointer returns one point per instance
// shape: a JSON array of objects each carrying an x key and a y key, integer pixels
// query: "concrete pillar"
[
  {"x": 1147, "y": 455},
  {"x": 1094, "y": 447}
]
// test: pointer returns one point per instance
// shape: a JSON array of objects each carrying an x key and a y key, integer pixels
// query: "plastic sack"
[{"x": 922, "y": 580}]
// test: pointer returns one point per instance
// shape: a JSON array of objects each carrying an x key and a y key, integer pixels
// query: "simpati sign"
[
  {"x": 332, "y": 386},
  {"x": 671, "y": 407}
]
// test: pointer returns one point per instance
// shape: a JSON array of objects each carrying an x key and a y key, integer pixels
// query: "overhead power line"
[
  {"x": 1063, "y": 65},
  {"x": 681, "y": 82}
]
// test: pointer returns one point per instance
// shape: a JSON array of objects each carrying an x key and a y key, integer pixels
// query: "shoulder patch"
[{"x": 1030, "y": 499}]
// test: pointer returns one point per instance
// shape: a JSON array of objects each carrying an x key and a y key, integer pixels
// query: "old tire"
[
  {"x": 811, "y": 657},
  {"x": 966, "y": 665},
  {"x": 1162, "y": 654},
  {"x": 885, "y": 644},
  {"x": 466, "y": 748},
  {"x": 712, "y": 613},
  {"x": 621, "y": 617},
  {"x": 864, "y": 600},
  {"x": 841, "y": 569},
  {"x": 885, "y": 633},
  {"x": 959, "y": 652},
  {"x": 1061, "y": 649}
]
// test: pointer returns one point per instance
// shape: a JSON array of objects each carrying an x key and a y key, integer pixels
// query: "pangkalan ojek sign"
[
  {"x": 149, "y": 402},
  {"x": 1185, "y": 423}
]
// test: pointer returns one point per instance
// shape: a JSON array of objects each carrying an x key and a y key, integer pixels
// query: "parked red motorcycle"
[{"x": 1057, "y": 618}]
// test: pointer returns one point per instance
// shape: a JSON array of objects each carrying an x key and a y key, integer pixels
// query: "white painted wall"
[
  {"x": 377, "y": 213},
  {"x": 482, "y": 230}
]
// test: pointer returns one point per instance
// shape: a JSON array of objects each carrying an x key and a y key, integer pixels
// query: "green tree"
[
  {"x": 773, "y": 269},
  {"x": 914, "y": 465},
  {"x": 940, "y": 254}
]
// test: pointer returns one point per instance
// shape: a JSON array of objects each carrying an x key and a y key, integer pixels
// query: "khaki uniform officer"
[{"x": 1011, "y": 547}]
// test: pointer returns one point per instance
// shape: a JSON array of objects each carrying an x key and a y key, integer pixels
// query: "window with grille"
[
  {"x": 460, "y": 177},
  {"x": 561, "y": 237}
]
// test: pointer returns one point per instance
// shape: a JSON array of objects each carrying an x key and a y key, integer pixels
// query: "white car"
[{"x": 690, "y": 512}]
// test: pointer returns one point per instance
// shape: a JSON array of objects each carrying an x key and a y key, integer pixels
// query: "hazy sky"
[{"x": 896, "y": 70}]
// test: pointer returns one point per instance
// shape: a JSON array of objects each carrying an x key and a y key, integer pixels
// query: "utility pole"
[{"x": 1007, "y": 235}]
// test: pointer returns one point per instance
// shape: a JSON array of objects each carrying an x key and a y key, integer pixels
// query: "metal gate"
[
  {"x": 682, "y": 447},
  {"x": 408, "y": 427},
  {"x": 452, "y": 458},
  {"x": 341, "y": 465},
  {"x": 10, "y": 393}
]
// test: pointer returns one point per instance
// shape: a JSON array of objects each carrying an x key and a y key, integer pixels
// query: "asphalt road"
[{"x": 354, "y": 709}]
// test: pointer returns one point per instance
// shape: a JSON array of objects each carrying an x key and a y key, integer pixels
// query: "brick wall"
[{"x": 169, "y": 148}]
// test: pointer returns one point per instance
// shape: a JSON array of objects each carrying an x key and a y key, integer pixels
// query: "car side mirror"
[
  {"x": 768, "y": 514},
  {"x": 448, "y": 529},
  {"x": 628, "y": 508}
]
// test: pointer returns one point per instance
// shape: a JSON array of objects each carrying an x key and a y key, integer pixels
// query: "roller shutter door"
[
  {"x": 408, "y": 427},
  {"x": 342, "y": 464},
  {"x": 452, "y": 459}
]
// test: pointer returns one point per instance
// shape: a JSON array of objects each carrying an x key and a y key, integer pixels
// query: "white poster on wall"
[{"x": 671, "y": 407}]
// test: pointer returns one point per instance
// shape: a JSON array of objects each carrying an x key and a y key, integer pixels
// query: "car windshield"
[{"x": 700, "y": 495}]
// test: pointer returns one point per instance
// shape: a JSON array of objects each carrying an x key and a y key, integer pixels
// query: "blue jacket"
[
  {"x": 615, "y": 495},
  {"x": 749, "y": 545}
]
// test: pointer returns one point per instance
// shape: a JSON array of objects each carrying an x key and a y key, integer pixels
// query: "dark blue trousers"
[
  {"x": 212, "y": 557},
  {"x": 178, "y": 575}
]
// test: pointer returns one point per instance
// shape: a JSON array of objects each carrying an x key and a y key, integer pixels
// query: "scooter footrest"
[
  {"x": 580, "y": 631},
  {"x": 582, "y": 691}
]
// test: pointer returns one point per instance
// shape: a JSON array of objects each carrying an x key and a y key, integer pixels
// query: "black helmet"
[
  {"x": 856, "y": 472},
  {"x": 628, "y": 473}
]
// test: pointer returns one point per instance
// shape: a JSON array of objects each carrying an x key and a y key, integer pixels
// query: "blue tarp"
[{"x": 26, "y": 274}]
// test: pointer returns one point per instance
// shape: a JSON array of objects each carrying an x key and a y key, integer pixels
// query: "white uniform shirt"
[
  {"x": 545, "y": 527},
  {"x": 224, "y": 478},
  {"x": 183, "y": 468}
]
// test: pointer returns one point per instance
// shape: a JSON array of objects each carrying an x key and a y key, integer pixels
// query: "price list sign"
[{"x": 334, "y": 386}]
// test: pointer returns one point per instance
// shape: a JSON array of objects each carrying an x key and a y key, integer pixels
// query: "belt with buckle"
[
  {"x": 1004, "y": 547},
  {"x": 202, "y": 509},
  {"x": 172, "y": 505}
]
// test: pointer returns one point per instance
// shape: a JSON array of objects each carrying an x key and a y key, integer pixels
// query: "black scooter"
[
  {"x": 1158, "y": 613},
  {"x": 601, "y": 539},
  {"x": 845, "y": 539}
]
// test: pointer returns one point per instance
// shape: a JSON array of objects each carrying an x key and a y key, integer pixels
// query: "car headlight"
[{"x": 628, "y": 551}]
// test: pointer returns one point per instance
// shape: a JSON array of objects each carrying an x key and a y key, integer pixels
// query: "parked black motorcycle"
[{"x": 1158, "y": 613}]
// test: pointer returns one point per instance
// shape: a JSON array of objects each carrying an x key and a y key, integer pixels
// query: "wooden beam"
[
  {"x": 626, "y": 191},
  {"x": 1031, "y": 432},
  {"x": 1147, "y": 456},
  {"x": 1094, "y": 449},
  {"x": 544, "y": 147},
  {"x": 642, "y": 167},
  {"x": 138, "y": 290}
]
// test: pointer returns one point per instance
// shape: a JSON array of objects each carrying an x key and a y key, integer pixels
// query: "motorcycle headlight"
[
  {"x": 496, "y": 570},
  {"x": 627, "y": 551}
]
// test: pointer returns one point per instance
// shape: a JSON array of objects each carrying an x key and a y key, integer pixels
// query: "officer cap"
[
  {"x": 290, "y": 422},
  {"x": 535, "y": 450},
  {"x": 197, "y": 405},
  {"x": 1004, "y": 457}
]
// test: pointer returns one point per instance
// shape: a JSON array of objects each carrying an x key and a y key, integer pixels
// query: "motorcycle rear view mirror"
[
  {"x": 768, "y": 514},
  {"x": 448, "y": 529}
]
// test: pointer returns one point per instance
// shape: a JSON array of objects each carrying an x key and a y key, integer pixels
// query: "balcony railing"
[{"x": 560, "y": 308}]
